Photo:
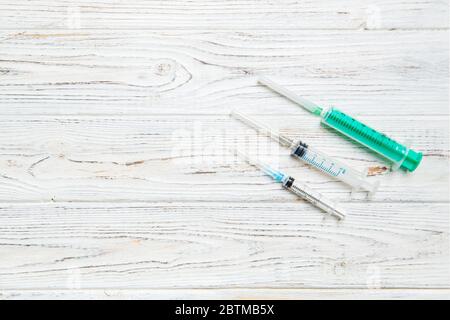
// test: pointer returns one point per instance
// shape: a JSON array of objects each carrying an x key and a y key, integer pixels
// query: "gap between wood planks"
[{"x": 241, "y": 293}]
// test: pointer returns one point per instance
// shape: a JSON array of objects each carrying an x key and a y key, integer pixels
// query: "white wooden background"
[{"x": 113, "y": 125}]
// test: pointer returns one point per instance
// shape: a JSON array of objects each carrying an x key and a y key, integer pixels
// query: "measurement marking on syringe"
[
  {"x": 316, "y": 159},
  {"x": 320, "y": 165}
]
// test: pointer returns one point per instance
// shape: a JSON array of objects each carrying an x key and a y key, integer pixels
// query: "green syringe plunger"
[{"x": 400, "y": 155}]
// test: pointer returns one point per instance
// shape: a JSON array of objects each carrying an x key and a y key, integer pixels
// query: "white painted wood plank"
[
  {"x": 179, "y": 158},
  {"x": 222, "y": 14},
  {"x": 237, "y": 294},
  {"x": 166, "y": 86},
  {"x": 222, "y": 245},
  {"x": 188, "y": 72}
]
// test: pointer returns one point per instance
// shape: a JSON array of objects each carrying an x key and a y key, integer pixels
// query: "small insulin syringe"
[
  {"x": 317, "y": 159},
  {"x": 296, "y": 187},
  {"x": 401, "y": 156}
]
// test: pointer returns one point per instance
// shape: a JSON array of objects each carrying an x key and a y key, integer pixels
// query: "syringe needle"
[
  {"x": 275, "y": 174},
  {"x": 261, "y": 128},
  {"x": 308, "y": 105}
]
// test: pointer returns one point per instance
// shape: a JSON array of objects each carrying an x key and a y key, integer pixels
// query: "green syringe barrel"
[{"x": 399, "y": 154}]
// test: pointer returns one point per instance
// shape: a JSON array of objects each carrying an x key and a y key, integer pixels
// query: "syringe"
[
  {"x": 296, "y": 187},
  {"x": 317, "y": 159},
  {"x": 400, "y": 155}
]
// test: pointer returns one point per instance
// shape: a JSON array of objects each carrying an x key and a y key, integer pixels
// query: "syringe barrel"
[
  {"x": 316, "y": 198},
  {"x": 334, "y": 168},
  {"x": 399, "y": 154}
]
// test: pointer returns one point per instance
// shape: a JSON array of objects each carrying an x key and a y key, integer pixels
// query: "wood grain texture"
[
  {"x": 174, "y": 158},
  {"x": 190, "y": 72},
  {"x": 114, "y": 128},
  {"x": 223, "y": 14},
  {"x": 235, "y": 294},
  {"x": 222, "y": 245}
]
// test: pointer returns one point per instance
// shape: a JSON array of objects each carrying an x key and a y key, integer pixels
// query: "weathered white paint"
[
  {"x": 113, "y": 126},
  {"x": 192, "y": 72},
  {"x": 241, "y": 293},
  {"x": 179, "y": 158},
  {"x": 223, "y": 245},
  {"x": 223, "y": 14}
]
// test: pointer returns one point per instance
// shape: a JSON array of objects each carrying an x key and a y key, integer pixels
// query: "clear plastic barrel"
[
  {"x": 319, "y": 160},
  {"x": 316, "y": 198},
  {"x": 299, "y": 189}
]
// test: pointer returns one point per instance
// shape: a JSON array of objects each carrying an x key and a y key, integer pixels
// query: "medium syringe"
[
  {"x": 317, "y": 159},
  {"x": 297, "y": 188},
  {"x": 401, "y": 156}
]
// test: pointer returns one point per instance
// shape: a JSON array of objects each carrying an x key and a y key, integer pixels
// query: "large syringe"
[
  {"x": 400, "y": 155},
  {"x": 297, "y": 188},
  {"x": 317, "y": 159}
]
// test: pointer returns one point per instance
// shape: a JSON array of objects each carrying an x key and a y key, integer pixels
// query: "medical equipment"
[
  {"x": 317, "y": 159},
  {"x": 296, "y": 187},
  {"x": 400, "y": 155}
]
